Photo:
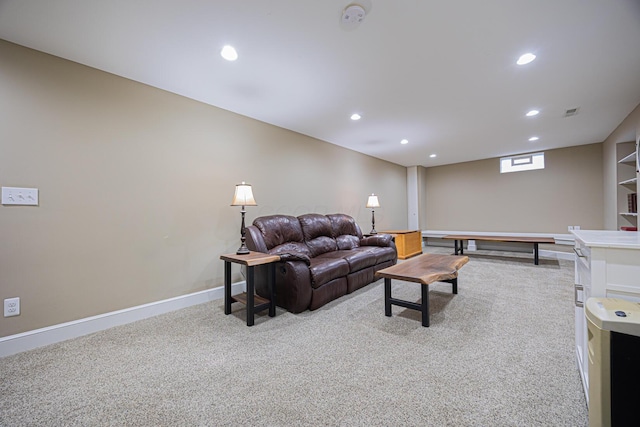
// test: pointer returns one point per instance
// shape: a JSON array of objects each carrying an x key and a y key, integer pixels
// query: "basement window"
[{"x": 523, "y": 162}]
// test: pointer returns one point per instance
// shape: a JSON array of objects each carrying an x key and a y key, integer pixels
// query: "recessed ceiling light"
[
  {"x": 533, "y": 113},
  {"x": 432, "y": 156},
  {"x": 229, "y": 53},
  {"x": 355, "y": 116},
  {"x": 525, "y": 59},
  {"x": 404, "y": 141},
  {"x": 533, "y": 138}
]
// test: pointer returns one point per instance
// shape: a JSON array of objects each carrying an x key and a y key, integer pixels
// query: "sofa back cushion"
[
  {"x": 345, "y": 230},
  {"x": 281, "y": 230},
  {"x": 318, "y": 233}
]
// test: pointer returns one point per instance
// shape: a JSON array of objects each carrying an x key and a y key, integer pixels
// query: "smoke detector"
[{"x": 353, "y": 14}]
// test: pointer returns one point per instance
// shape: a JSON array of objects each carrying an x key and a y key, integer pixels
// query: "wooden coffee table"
[{"x": 424, "y": 269}]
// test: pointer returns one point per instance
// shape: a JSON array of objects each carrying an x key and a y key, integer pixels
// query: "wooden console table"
[
  {"x": 249, "y": 298},
  {"x": 408, "y": 242}
]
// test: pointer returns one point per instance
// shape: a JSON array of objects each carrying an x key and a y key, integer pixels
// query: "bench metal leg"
[
  {"x": 387, "y": 297},
  {"x": 454, "y": 284},
  {"x": 425, "y": 305},
  {"x": 535, "y": 253}
]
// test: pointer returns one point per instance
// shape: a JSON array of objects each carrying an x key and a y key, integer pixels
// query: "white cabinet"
[{"x": 607, "y": 265}]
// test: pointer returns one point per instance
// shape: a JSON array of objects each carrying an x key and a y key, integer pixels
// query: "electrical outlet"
[
  {"x": 11, "y": 307},
  {"x": 19, "y": 196},
  {"x": 576, "y": 227},
  {"x": 570, "y": 227}
]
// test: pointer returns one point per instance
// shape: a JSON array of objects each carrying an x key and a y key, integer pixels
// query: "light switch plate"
[{"x": 19, "y": 196}]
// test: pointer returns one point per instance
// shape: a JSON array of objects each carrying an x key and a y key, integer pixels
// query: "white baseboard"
[
  {"x": 18, "y": 343},
  {"x": 569, "y": 256}
]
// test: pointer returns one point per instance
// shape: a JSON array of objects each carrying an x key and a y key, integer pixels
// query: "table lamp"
[
  {"x": 373, "y": 203},
  {"x": 243, "y": 197}
]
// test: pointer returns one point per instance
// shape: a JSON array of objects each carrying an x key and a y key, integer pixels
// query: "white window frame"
[{"x": 522, "y": 162}]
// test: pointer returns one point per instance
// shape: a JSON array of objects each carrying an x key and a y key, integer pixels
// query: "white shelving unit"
[{"x": 627, "y": 177}]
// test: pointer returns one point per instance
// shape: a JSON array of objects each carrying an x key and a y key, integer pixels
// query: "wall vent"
[{"x": 571, "y": 112}]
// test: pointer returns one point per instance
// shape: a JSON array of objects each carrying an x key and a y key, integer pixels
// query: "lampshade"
[
  {"x": 243, "y": 196},
  {"x": 373, "y": 201}
]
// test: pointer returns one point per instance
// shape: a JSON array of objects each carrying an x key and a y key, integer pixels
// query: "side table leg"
[
  {"x": 387, "y": 297},
  {"x": 227, "y": 287},
  {"x": 425, "y": 305},
  {"x": 535, "y": 254},
  {"x": 272, "y": 284},
  {"x": 250, "y": 299},
  {"x": 454, "y": 285}
]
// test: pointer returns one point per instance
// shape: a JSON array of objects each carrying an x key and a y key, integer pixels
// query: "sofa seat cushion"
[
  {"x": 358, "y": 258},
  {"x": 324, "y": 269},
  {"x": 382, "y": 254}
]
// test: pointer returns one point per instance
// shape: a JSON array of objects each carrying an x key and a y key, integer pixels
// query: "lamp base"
[
  {"x": 373, "y": 231},
  {"x": 243, "y": 250}
]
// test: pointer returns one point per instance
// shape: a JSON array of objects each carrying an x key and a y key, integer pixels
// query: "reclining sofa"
[{"x": 322, "y": 257}]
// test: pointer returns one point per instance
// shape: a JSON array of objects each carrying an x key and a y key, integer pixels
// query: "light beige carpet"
[{"x": 500, "y": 353}]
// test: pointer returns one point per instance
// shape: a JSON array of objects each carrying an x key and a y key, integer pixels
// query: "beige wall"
[
  {"x": 135, "y": 185},
  {"x": 628, "y": 130},
  {"x": 475, "y": 196}
]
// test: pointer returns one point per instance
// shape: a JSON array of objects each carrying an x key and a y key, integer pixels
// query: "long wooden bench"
[{"x": 459, "y": 249}]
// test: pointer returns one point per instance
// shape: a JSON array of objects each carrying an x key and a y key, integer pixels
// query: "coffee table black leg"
[
  {"x": 250, "y": 291},
  {"x": 425, "y": 305},
  {"x": 227, "y": 287},
  {"x": 535, "y": 253},
  {"x": 272, "y": 283},
  {"x": 387, "y": 297}
]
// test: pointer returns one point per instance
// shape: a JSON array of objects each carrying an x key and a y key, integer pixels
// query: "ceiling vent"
[{"x": 571, "y": 112}]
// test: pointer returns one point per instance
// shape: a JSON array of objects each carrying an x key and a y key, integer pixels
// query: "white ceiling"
[{"x": 441, "y": 74}]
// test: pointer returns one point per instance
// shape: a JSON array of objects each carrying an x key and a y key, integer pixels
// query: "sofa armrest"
[
  {"x": 293, "y": 256},
  {"x": 384, "y": 240},
  {"x": 255, "y": 241}
]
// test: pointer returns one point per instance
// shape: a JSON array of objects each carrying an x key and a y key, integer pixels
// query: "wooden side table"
[
  {"x": 408, "y": 242},
  {"x": 249, "y": 298}
]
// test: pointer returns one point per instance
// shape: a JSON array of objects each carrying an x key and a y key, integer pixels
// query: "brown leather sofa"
[{"x": 323, "y": 257}]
